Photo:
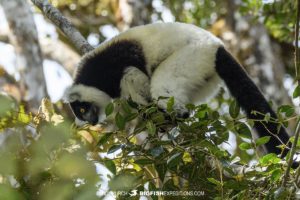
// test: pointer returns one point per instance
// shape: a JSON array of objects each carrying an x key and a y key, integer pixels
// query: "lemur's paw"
[
  {"x": 183, "y": 115},
  {"x": 182, "y": 112}
]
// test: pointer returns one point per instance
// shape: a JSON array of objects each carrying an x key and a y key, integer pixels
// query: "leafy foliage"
[
  {"x": 277, "y": 16},
  {"x": 58, "y": 159}
]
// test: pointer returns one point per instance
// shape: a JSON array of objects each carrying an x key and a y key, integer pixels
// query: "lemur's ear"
[{"x": 70, "y": 95}]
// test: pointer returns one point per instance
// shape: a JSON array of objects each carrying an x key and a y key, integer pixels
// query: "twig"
[
  {"x": 297, "y": 69},
  {"x": 64, "y": 25}
]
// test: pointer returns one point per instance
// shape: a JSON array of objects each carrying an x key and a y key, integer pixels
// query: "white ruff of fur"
[{"x": 85, "y": 93}]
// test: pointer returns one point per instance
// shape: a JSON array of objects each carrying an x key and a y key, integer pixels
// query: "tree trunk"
[{"x": 29, "y": 56}]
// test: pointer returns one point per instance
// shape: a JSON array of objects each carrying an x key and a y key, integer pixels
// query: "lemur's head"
[{"x": 87, "y": 103}]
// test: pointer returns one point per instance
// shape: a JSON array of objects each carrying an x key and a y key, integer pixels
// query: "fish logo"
[{"x": 133, "y": 193}]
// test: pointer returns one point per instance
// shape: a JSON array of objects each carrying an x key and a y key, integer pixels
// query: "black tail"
[{"x": 250, "y": 99}]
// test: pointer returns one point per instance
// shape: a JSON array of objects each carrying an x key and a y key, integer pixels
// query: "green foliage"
[
  {"x": 11, "y": 114},
  {"x": 234, "y": 109},
  {"x": 202, "y": 13},
  {"x": 278, "y": 16},
  {"x": 296, "y": 92},
  {"x": 177, "y": 155},
  {"x": 45, "y": 162}
]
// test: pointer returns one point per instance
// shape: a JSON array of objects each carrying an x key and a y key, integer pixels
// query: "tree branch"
[{"x": 64, "y": 25}]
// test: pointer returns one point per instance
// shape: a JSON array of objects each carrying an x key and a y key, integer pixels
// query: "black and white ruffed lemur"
[{"x": 170, "y": 60}]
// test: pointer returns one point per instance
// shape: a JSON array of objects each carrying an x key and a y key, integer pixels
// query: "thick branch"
[{"x": 64, "y": 25}]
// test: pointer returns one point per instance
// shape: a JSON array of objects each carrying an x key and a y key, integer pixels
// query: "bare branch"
[{"x": 64, "y": 25}]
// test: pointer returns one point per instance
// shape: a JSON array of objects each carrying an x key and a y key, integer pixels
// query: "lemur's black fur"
[
  {"x": 105, "y": 70},
  {"x": 250, "y": 99},
  {"x": 101, "y": 73}
]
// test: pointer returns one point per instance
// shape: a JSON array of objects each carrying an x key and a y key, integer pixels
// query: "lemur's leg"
[
  {"x": 136, "y": 84},
  {"x": 188, "y": 75}
]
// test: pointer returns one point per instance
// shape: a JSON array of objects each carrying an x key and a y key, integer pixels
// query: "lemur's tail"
[{"x": 250, "y": 99}]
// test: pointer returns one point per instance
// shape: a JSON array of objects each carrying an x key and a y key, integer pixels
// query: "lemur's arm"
[{"x": 136, "y": 84}]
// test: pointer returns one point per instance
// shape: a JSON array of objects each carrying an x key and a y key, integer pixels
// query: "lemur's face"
[
  {"x": 88, "y": 103},
  {"x": 86, "y": 111}
]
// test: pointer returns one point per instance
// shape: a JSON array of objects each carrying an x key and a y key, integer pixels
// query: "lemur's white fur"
[
  {"x": 183, "y": 57},
  {"x": 88, "y": 94},
  {"x": 91, "y": 94},
  {"x": 135, "y": 84},
  {"x": 181, "y": 60}
]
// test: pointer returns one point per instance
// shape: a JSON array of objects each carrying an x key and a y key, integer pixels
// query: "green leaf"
[
  {"x": 158, "y": 118},
  {"x": 131, "y": 116},
  {"x": 287, "y": 109},
  {"x": 190, "y": 106},
  {"x": 214, "y": 181},
  {"x": 267, "y": 117},
  {"x": 110, "y": 165},
  {"x": 170, "y": 104},
  {"x": 276, "y": 174},
  {"x": 169, "y": 186},
  {"x": 245, "y": 146},
  {"x": 114, "y": 148},
  {"x": 120, "y": 121},
  {"x": 174, "y": 160},
  {"x": 234, "y": 109},
  {"x": 126, "y": 107},
  {"x": 151, "y": 127},
  {"x": 269, "y": 158},
  {"x": 123, "y": 182},
  {"x": 143, "y": 162},
  {"x": 215, "y": 115},
  {"x": 152, "y": 188},
  {"x": 236, "y": 185},
  {"x": 262, "y": 140},
  {"x": 161, "y": 170},
  {"x": 132, "y": 104},
  {"x": 296, "y": 92},
  {"x": 104, "y": 138},
  {"x": 243, "y": 130},
  {"x": 151, "y": 110},
  {"x": 25, "y": 118},
  {"x": 109, "y": 109},
  {"x": 201, "y": 114},
  {"x": 187, "y": 158}
]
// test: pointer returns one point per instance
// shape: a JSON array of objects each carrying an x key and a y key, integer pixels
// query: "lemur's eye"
[{"x": 82, "y": 110}]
